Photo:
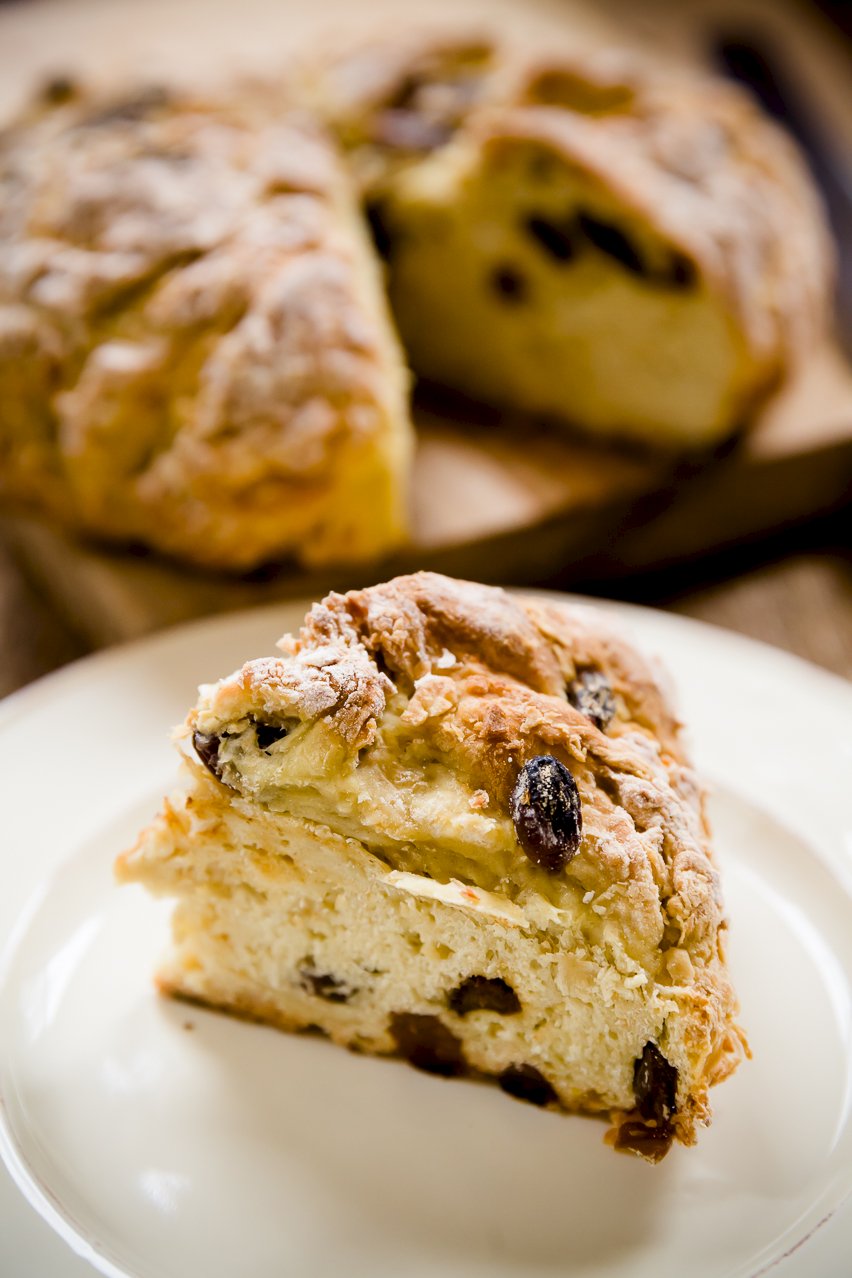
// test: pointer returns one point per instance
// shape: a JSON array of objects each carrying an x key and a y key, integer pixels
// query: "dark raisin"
[
  {"x": 59, "y": 89},
  {"x": 524, "y": 1082},
  {"x": 206, "y": 746},
  {"x": 681, "y": 272},
  {"x": 315, "y": 1030},
  {"x": 557, "y": 239},
  {"x": 405, "y": 96},
  {"x": 591, "y": 694},
  {"x": 484, "y": 993},
  {"x": 326, "y": 986},
  {"x": 546, "y": 811},
  {"x": 427, "y": 1043},
  {"x": 268, "y": 733},
  {"x": 654, "y": 1085},
  {"x": 610, "y": 240},
  {"x": 509, "y": 283},
  {"x": 651, "y": 1143},
  {"x": 377, "y": 220}
]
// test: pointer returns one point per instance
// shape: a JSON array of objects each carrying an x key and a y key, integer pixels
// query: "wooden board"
[{"x": 500, "y": 501}]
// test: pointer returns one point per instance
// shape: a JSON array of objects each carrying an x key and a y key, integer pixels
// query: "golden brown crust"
[{"x": 194, "y": 332}]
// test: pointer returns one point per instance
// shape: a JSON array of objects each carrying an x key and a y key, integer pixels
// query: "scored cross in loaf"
[{"x": 459, "y": 826}]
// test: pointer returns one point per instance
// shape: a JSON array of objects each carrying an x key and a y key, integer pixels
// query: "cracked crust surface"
[
  {"x": 194, "y": 346},
  {"x": 391, "y": 732},
  {"x": 483, "y": 676}
]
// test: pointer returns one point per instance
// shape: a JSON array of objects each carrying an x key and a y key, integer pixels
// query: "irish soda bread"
[
  {"x": 590, "y": 238},
  {"x": 195, "y": 351},
  {"x": 460, "y": 827}
]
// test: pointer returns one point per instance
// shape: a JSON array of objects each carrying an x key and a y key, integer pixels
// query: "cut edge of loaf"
[
  {"x": 340, "y": 863},
  {"x": 687, "y": 162}
]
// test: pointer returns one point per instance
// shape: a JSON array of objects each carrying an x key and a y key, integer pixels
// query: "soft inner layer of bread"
[
  {"x": 282, "y": 919},
  {"x": 419, "y": 815},
  {"x": 484, "y": 305}
]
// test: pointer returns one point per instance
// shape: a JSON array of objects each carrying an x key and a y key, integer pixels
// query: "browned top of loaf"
[
  {"x": 180, "y": 321},
  {"x": 411, "y": 623},
  {"x": 486, "y": 674}
]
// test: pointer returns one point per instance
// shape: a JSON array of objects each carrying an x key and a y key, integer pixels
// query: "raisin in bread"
[
  {"x": 461, "y": 827},
  {"x": 637, "y": 252},
  {"x": 195, "y": 350}
]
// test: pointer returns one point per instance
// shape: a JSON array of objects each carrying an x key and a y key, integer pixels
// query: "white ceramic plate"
[{"x": 161, "y": 1141}]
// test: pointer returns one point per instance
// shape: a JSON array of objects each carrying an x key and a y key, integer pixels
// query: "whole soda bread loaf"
[
  {"x": 461, "y": 827},
  {"x": 195, "y": 350},
  {"x": 196, "y": 353},
  {"x": 589, "y": 237}
]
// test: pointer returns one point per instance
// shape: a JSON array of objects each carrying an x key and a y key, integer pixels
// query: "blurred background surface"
[{"x": 769, "y": 556}]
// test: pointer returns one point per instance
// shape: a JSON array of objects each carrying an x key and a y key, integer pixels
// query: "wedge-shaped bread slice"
[
  {"x": 195, "y": 348},
  {"x": 586, "y": 236},
  {"x": 461, "y": 827}
]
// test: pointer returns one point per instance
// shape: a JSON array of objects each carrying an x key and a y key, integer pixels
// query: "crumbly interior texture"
[
  {"x": 344, "y": 854},
  {"x": 591, "y": 239},
  {"x": 498, "y": 290},
  {"x": 195, "y": 348}
]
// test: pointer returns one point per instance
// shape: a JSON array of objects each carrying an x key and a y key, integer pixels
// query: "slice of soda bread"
[{"x": 458, "y": 826}]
